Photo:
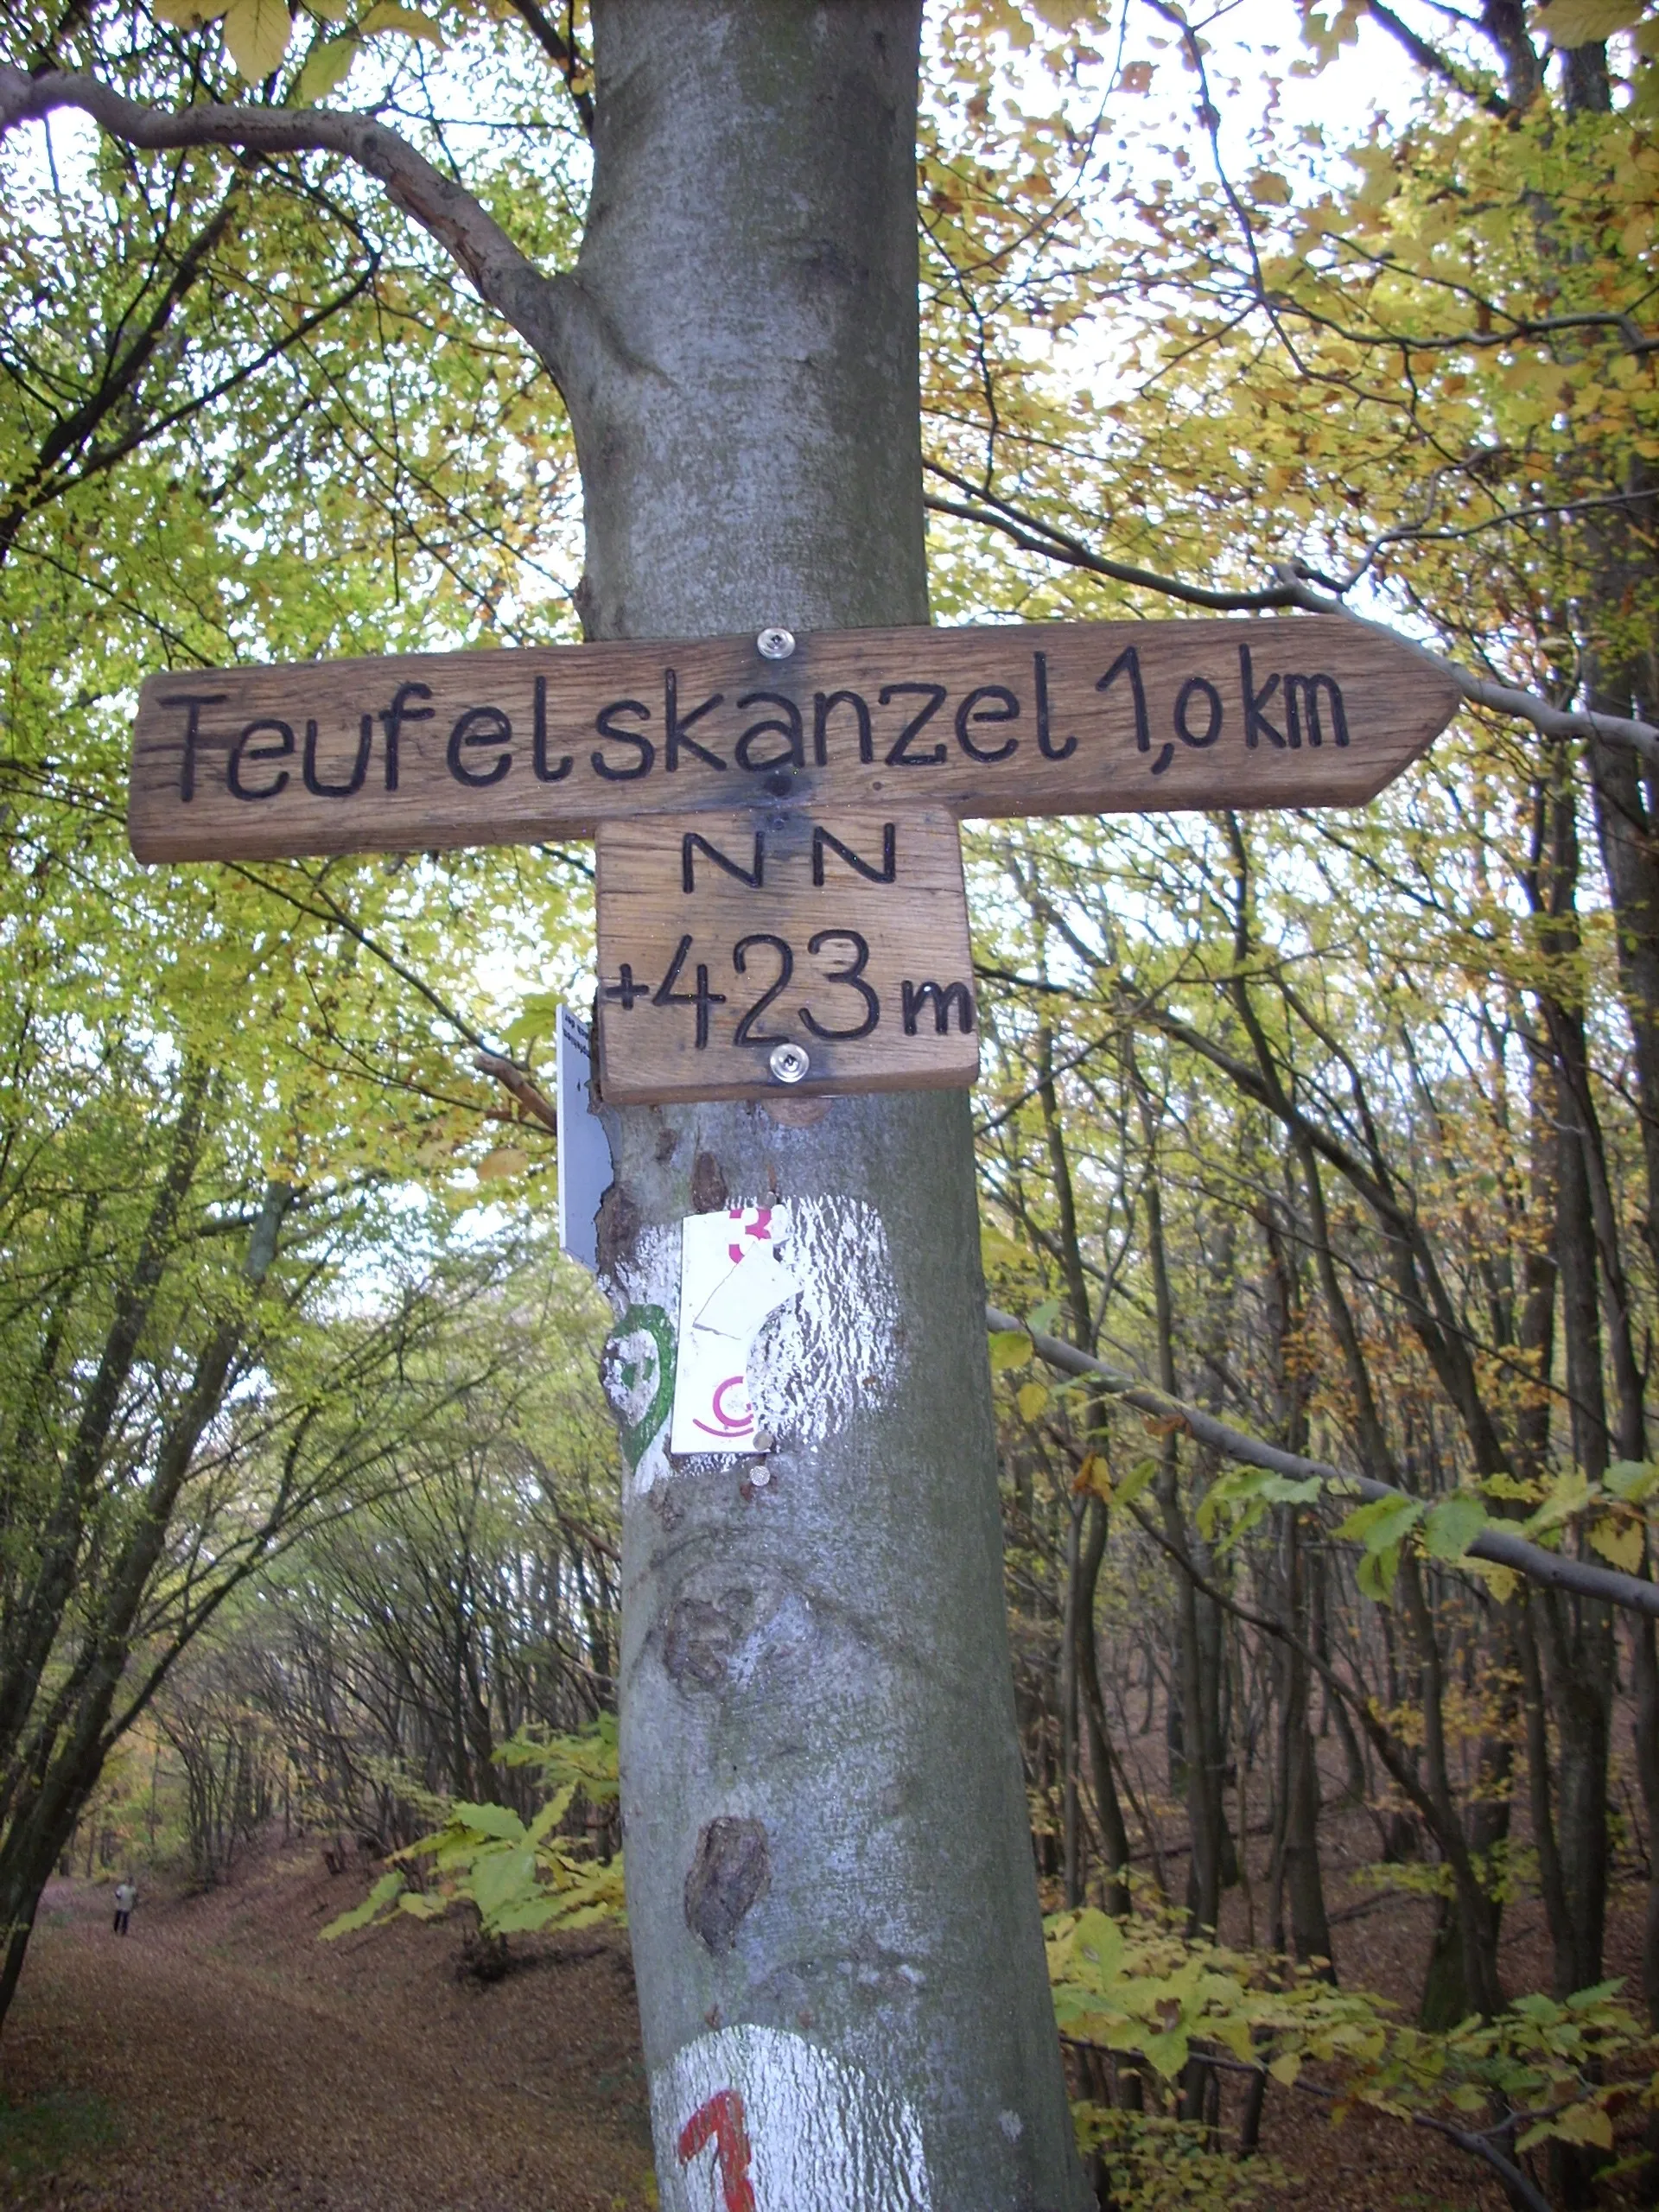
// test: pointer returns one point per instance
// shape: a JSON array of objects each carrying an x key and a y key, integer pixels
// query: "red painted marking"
[{"x": 722, "y": 2121}]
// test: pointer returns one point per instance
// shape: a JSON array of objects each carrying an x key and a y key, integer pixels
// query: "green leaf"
[
  {"x": 490, "y": 1820},
  {"x": 1382, "y": 1523},
  {"x": 1009, "y": 1348},
  {"x": 1129, "y": 1486},
  {"x": 326, "y": 66},
  {"x": 386, "y": 16},
  {"x": 1453, "y": 1525},
  {"x": 386, "y": 1892},
  {"x": 503, "y": 1881},
  {"x": 256, "y": 33},
  {"x": 552, "y": 1813},
  {"x": 1587, "y": 22},
  {"x": 1634, "y": 1480}
]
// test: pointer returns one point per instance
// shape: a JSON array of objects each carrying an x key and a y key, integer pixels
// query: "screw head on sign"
[
  {"x": 759, "y": 1477},
  {"x": 776, "y": 645},
  {"x": 789, "y": 1063}
]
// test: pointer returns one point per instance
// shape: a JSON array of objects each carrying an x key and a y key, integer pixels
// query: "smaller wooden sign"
[{"x": 772, "y": 952}]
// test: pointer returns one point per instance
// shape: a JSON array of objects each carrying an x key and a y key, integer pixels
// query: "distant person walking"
[{"x": 126, "y": 1895}]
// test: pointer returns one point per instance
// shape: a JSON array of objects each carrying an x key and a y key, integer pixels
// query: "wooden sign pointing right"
[{"x": 506, "y": 747}]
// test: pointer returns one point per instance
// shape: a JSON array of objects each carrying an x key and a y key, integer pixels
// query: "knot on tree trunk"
[{"x": 732, "y": 1868}]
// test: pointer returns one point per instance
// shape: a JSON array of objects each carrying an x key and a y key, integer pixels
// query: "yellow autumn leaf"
[
  {"x": 256, "y": 33},
  {"x": 1009, "y": 1348},
  {"x": 1586, "y": 23},
  {"x": 187, "y": 15},
  {"x": 505, "y": 1160},
  {"x": 1270, "y": 189},
  {"x": 1586, "y": 2124},
  {"x": 1619, "y": 1543},
  {"x": 386, "y": 16},
  {"x": 1093, "y": 1478},
  {"x": 1285, "y": 2069},
  {"x": 1031, "y": 1398},
  {"x": 328, "y": 66}
]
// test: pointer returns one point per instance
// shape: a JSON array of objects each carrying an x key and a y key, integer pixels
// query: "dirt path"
[{"x": 229, "y": 2059}]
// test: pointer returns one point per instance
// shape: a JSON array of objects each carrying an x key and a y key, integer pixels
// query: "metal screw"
[
  {"x": 759, "y": 1477},
  {"x": 776, "y": 645},
  {"x": 789, "y": 1063}
]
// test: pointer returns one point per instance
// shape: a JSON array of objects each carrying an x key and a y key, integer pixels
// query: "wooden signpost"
[{"x": 780, "y": 894}]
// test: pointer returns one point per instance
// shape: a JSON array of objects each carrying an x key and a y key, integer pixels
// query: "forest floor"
[{"x": 221, "y": 2056}]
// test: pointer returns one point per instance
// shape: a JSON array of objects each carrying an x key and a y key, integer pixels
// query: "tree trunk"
[{"x": 831, "y": 1885}]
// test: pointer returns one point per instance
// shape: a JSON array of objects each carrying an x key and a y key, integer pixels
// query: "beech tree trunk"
[{"x": 830, "y": 1884}]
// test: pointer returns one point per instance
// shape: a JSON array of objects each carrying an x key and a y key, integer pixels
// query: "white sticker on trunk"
[
  {"x": 755, "y": 2120},
  {"x": 817, "y": 1358},
  {"x": 734, "y": 1276}
]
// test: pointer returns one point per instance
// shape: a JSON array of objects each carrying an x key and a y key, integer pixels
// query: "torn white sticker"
[
  {"x": 817, "y": 1360},
  {"x": 755, "y": 2120},
  {"x": 733, "y": 1275}
]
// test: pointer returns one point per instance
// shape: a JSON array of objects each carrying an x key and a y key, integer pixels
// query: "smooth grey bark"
[{"x": 825, "y": 1819}]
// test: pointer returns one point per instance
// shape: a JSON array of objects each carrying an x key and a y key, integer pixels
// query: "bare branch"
[
  {"x": 512, "y": 1078},
  {"x": 548, "y": 312},
  {"x": 1293, "y": 590},
  {"x": 1554, "y": 1569}
]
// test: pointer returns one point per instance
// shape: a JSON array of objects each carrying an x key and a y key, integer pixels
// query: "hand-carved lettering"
[
  {"x": 354, "y": 783},
  {"x": 745, "y": 1034},
  {"x": 539, "y": 741},
  {"x": 851, "y": 977},
  {"x": 393, "y": 718},
  {"x": 788, "y": 727},
  {"x": 482, "y": 728},
  {"x": 915, "y": 996},
  {"x": 625, "y": 990},
  {"x": 1129, "y": 663},
  {"x": 604, "y": 723},
  {"x": 1046, "y": 744},
  {"x": 1198, "y": 687},
  {"x": 1302, "y": 698},
  {"x": 282, "y": 750},
  {"x": 824, "y": 705},
  {"x": 887, "y": 873},
  {"x": 1257, "y": 725},
  {"x": 693, "y": 842},
  {"x": 676, "y": 724},
  {"x": 193, "y": 701},
  {"x": 1003, "y": 706},
  {"x": 900, "y": 754},
  {"x": 703, "y": 998}
]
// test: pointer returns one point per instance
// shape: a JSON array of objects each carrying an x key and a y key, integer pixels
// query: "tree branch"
[
  {"x": 1293, "y": 591},
  {"x": 548, "y": 312},
  {"x": 1553, "y": 1569}
]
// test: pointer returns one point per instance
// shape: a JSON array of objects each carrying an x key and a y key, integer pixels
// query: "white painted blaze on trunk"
[
  {"x": 831, "y": 1348},
  {"x": 756, "y": 2119}
]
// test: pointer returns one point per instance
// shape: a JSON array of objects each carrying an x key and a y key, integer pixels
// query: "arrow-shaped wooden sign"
[
  {"x": 780, "y": 894},
  {"x": 511, "y": 746}
]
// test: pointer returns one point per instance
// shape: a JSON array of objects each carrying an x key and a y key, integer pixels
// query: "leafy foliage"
[{"x": 518, "y": 1876}]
